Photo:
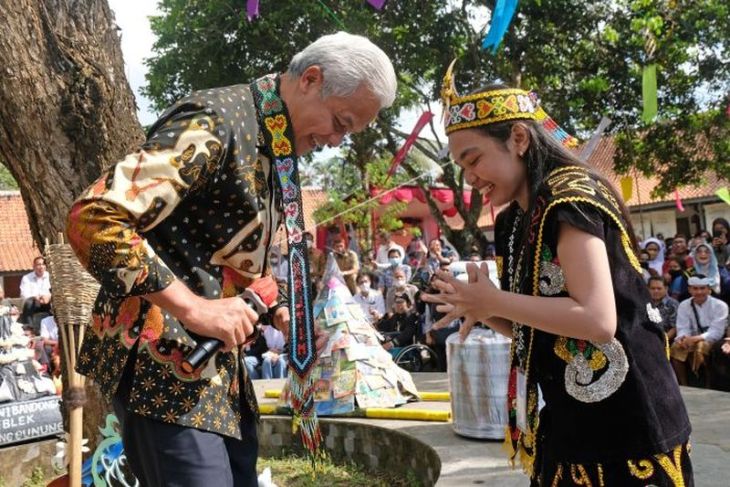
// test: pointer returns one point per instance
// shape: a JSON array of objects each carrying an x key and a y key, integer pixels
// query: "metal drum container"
[{"x": 478, "y": 370}]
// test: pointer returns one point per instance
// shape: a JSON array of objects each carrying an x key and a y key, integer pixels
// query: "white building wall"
[{"x": 715, "y": 210}]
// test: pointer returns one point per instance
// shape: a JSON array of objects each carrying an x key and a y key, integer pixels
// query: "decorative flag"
[
  {"x": 678, "y": 200},
  {"x": 403, "y": 151},
  {"x": 627, "y": 187},
  {"x": 378, "y": 4},
  {"x": 649, "y": 93},
  {"x": 252, "y": 9},
  {"x": 501, "y": 18},
  {"x": 724, "y": 195}
]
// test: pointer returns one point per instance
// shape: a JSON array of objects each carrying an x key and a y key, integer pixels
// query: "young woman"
[
  {"x": 572, "y": 300},
  {"x": 656, "y": 254},
  {"x": 678, "y": 275},
  {"x": 705, "y": 263}
]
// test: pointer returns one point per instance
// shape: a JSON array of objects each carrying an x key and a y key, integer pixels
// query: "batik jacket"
[{"x": 199, "y": 193}]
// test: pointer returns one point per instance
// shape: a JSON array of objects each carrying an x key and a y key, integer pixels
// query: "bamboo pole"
[{"x": 74, "y": 292}]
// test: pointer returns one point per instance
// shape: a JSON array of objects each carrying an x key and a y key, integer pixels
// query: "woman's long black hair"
[{"x": 543, "y": 155}]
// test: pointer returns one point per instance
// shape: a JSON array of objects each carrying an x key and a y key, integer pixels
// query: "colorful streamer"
[
  {"x": 502, "y": 15},
  {"x": 649, "y": 93},
  {"x": 678, "y": 200},
  {"x": 403, "y": 151},
  {"x": 627, "y": 187},
  {"x": 334, "y": 16},
  {"x": 252, "y": 9},
  {"x": 723, "y": 194},
  {"x": 378, "y": 4}
]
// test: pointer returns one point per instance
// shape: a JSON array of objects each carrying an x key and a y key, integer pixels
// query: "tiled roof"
[
  {"x": 17, "y": 248},
  {"x": 602, "y": 160},
  {"x": 312, "y": 199}
]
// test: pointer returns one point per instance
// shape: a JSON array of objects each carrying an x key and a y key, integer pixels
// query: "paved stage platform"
[{"x": 466, "y": 462}]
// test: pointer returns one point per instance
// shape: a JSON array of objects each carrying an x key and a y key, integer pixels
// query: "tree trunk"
[
  {"x": 66, "y": 109},
  {"x": 66, "y": 112}
]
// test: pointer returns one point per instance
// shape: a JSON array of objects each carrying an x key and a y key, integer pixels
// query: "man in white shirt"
[
  {"x": 387, "y": 244},
  {"x": 701, "y": 321},
  {"x": 370, "y": 300},
  {"x": 35, "y": 288}
]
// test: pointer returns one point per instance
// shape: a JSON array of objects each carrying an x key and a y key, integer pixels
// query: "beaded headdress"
[{"x": 493, "y": 106}]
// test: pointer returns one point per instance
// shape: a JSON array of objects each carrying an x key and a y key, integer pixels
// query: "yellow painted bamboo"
[
  {"x": 408, "y": 414},
  {"x": 267, "y": 408},
  {"x": 435, "y": 396},
  {"x": 425, "y": 396},
  {"x": 374, "y": 413}
]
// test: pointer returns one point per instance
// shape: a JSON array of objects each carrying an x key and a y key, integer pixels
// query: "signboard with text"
[{"x": 23, "y": 421}]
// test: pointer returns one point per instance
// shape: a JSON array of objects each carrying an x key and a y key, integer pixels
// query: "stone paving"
[{"x": 466, "y": 462}]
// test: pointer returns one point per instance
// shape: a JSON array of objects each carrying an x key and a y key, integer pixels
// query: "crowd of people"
[
  {"x": 689, "y": 283},
  {"x": 688, "y": 279},
  {"x": 386, "y": 282},
  {"x": 34, "y": 328}
]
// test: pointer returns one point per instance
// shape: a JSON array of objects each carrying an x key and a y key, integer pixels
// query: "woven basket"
[{"x": 74, "y": 290}]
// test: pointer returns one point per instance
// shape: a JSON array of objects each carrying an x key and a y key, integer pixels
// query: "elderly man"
[
  {"x": 400, "y": 286},
  {"x": 701, "y": 321},
  {"x": 208, "y": 190}
]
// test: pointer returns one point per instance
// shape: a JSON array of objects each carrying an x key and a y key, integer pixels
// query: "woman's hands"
[{"x": 472, "y": 300}]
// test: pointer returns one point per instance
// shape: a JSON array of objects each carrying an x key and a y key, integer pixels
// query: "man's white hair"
[{"x": 347, "y": 61}]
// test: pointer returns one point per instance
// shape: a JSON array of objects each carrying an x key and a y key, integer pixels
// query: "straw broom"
[{"x": 74, "y": 292}]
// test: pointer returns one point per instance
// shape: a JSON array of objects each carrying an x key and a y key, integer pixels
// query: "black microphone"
[{"x": 260, "y": 296}]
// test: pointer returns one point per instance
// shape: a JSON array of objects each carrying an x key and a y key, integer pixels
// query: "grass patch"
[{"x": 294, "y": 471}]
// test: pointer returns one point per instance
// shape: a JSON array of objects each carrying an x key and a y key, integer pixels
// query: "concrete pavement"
[{"x": 467, "y": 462}]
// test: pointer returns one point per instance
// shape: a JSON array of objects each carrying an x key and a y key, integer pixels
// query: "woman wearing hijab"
[
  {"x": 656, "y": 254},
  {"x": 705, "y": 263}
]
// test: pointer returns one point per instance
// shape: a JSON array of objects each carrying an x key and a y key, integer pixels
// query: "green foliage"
[
  {"x": 206, "y": 43},
  {"x": 357, "y": 206},
  {"x": 295, "y": 471},
  {"x": 584, "y": 57},
  {"x": 36, "y": 479},
  {"x": 7, "y": 181},
  {"x": 691, "y": 133}
]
